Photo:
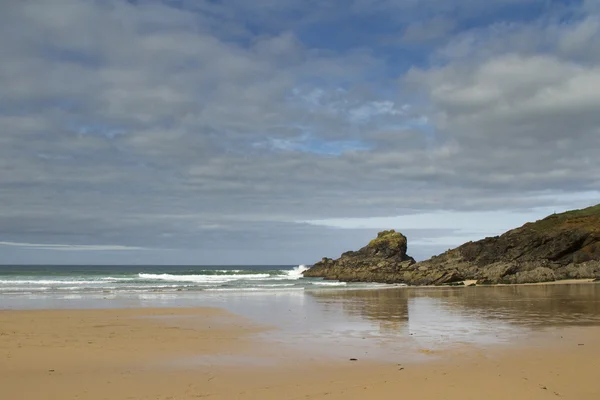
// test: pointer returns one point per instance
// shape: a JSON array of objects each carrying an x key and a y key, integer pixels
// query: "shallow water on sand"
[{"x": 376, "y": 324}]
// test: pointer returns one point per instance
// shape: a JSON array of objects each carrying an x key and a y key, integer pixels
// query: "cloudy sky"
[{"x": 282, "y": 131}]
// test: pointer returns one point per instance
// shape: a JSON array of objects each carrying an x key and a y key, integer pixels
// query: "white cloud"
[
  {"x": 579, "y": 37},
  {"x": 71, "y": 247}
]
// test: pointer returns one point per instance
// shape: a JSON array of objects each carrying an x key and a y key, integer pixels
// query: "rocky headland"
[{"x": 558, "y": 247}]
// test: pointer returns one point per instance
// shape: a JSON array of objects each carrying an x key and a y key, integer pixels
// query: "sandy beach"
[{"x": 191, "y": 353}]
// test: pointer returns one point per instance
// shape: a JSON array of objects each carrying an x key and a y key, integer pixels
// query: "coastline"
[
  {"x": 131, "y": 354},
  {"x": 473, "y": 282}
]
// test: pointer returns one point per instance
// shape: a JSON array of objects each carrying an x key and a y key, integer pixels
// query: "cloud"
[
  {"x": 70, "y": 247},
  {"x": 210, "y": 127},
  {"x": 531, "y": 115}
]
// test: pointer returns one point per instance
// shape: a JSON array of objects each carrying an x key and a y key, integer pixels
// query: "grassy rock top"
[
  {"x": 390, "y": 242},
  {"x": 587, "y": 218}
]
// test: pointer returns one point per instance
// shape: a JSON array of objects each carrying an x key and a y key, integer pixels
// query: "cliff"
[{"x": 561, "y": 246}]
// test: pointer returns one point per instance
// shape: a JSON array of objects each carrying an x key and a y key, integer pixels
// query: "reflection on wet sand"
[
  {"x": 475, "y": 315},
  {"x": 387, "y": 308},
  {"x": 530, "y": 306}
]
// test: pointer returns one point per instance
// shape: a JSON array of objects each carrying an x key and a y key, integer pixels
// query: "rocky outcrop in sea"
[{"x": 560, "y": 246}]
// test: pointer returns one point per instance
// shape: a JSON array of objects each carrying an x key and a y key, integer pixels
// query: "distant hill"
[{"x": 560, "y": 246}]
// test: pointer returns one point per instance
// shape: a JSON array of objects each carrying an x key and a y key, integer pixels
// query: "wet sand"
[
  {"x": 559, "y": 282},
  {"x": 191, "y": 353}
]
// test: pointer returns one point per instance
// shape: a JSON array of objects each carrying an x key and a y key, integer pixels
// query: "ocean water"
[{"x": 120, "y": 279}]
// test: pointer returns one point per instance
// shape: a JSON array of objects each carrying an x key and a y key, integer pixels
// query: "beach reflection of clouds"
[{"x": 434, "y": 323}]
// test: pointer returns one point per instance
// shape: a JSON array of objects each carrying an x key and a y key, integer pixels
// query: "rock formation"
[
  {"x": 561, "y": 246},
  {"x": 383, "y": 260}
]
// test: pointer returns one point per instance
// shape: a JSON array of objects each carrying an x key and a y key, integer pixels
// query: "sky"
[{"x": 284, "y": 131}]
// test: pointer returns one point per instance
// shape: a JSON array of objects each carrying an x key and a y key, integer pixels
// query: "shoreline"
[
  {"x": 468, "y": 283},
  {"x": 473, "y": 283},
  {"x": 129, "y": 354}
]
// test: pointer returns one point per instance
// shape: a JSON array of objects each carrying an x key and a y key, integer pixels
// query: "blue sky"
[{"x": 227, "y": 132}]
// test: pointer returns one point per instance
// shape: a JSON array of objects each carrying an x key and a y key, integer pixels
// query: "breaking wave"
[{"x": 117, "y": 279}]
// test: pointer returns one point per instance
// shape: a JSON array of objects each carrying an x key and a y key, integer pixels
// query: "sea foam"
[
  {"x": 328, "y": 283},
  {"x": 295, "y": 273},
  {"x": 202, "y": 278}
]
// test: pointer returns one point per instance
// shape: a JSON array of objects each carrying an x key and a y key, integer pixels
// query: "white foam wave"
[
  {"x": 202, "y": 278},
  {"x": 276, "y": 285},
  {"x": 329, "y": 283},
  {"x": 252, "y": 289},
  {"x": 46, "y": 282},
  {"x": 93, "y": 289},
  {"x": 111, "y": 279},
  {"x": 295, "y": 273},
  {"x": 6, "y": 289},
  {"x": 122, "y": 287}
]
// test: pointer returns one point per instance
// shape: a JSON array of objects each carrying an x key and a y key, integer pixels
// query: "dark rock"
[
  {"x": 561, "y": 246},
  {"x": 384, "y": 259},
  {"x": 540, "y": 274}
]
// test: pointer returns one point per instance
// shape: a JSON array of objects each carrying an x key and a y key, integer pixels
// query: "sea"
[{"x": 115, "y": 279}]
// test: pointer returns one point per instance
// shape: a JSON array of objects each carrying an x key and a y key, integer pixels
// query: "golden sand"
[{"x": 135, "y": 353}]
